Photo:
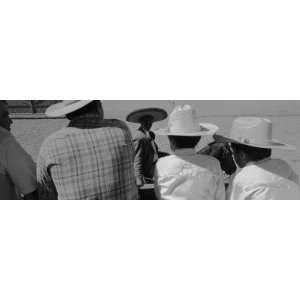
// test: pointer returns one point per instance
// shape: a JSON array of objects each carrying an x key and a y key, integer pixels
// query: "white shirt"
[
  {"x": 271, "y": 179},
  {"x": 17, "y": 169},
  {"x": 186, "y": 175}
]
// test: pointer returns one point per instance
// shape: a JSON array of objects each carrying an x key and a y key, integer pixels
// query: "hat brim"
[
  {"x": 158, "y": 114},
  {"x": 205, "y": 129},
  {"x": 274, "y": 144},
  {"x": 60, "y": 109}
]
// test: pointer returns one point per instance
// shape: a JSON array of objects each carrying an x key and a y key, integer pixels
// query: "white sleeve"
[
  {"x": 156, "y": 185},
  {"x": 220, "y": 193}
]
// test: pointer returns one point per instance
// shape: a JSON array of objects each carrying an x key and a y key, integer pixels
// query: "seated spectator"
[
  {"x": 260, "y": 177},
  {"x": 17, "y": 169},
  {"x": 90, "y": 159},
  {"x": 146, "y": 150},
  {"x": 186, "y": 175}
]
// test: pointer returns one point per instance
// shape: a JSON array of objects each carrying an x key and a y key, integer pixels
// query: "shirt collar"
[
  {"x": 258, "y": 162},
  {"x": 143, "y": 130},
  {"x": 90, "y": 120}
]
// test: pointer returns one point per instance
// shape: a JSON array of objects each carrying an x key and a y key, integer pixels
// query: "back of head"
[
  {"x": 93, "y": 107},
  {"x": 221, "y": 151},
  {"x": 253, "y": 153},
  {"x": 183, "y": 142}
]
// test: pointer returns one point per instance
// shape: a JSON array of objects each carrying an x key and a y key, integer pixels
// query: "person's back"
[
  {"x": 188, "y": 176},
  {"x": 92, "y": 162},
  {"x": 271, "y": 179}
]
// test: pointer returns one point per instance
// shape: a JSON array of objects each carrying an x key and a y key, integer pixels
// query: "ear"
[{"x": 243, "y": 158}]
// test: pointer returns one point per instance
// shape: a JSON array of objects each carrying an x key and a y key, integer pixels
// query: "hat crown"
[
  {"x": 65, "y": 107},
  {"x": 252, "y": 130},
  {"x": 183, "y": 119}
]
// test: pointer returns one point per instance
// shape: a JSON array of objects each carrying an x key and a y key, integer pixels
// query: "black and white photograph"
[
  {"x": 138, "y": 142},
  {"x": 150, "y": 150}
]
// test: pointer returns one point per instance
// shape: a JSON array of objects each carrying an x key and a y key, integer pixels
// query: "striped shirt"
[{"x": 91, "y": 159}]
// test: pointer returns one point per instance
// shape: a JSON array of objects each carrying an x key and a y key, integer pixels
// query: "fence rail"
[{"x": 29, "y": 106}]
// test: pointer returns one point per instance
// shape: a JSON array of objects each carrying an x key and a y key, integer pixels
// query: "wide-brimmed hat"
[
  {"x": 254, "y": 132},
  {"x": 157, "y": 114},
  {"x": 66, "y": 107},
  {"x": 183, "y": 122}
]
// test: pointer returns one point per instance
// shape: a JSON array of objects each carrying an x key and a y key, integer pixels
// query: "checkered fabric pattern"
[{"x": 91, "y": 159}]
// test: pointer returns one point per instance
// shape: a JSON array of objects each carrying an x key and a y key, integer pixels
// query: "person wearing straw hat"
[
  {"x": 90, "y": 159},
  {"x": 186, "y": 175},
  {"x": 259, "y": 177},
  {"x": 146, "y": 150}
]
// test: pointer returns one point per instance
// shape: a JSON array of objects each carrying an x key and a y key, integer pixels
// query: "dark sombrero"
[{"x": 157, "y": 114}]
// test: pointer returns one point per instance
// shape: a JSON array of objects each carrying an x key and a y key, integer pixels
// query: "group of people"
[{"x": 94, "y": 158}]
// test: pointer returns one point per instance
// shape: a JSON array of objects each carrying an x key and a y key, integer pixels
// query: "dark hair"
[
  {"x": 92, "y": 107},
  {"x": 253, "y": 153},
  {"x": 182, "y": 142},
  {"x": 221, "y": 151},
  {"x": 4, "y": 102}
]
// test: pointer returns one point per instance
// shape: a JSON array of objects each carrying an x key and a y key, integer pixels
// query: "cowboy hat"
[
  {"x": 157, "y": 114},
  {"x": 254, "y": 132},
  {"x": 66, "y": 107},
  {"x": 183, "y": 122}
]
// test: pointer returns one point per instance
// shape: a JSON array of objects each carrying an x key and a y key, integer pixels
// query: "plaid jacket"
[{"x": 91, "y": 159}]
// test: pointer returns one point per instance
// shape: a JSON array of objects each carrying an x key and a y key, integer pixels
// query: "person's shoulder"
[
  {"x": 140, "y": 136},
  {"x": 267, "y": 167},
  {"x": 52, "y": 139},
  {"x": 212, "y": 160},
  {"x": 279, "y": 163},
  {"x": 7, "y": 141},
  {"x": 209, "y": 162},
  {"x": 59, "y": 134},
  {"x": 114, "y": 123},
  {"x": 116, "y": 126},
  {"x": 251, "y": 175},
  {"x": 280, "y": 167},
  {"x": 167, "y": 160},
  {"x": 10, "y": 147},
  {"x": 5, "y": 136}
]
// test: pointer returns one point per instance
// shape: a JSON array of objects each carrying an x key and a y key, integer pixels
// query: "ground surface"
[{"x": 285, "y": 117}]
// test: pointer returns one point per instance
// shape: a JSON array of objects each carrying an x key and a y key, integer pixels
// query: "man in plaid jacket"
[{"x": 91, "y": 159}]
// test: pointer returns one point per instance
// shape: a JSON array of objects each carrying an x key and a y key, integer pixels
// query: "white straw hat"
[
  {"x": 66, "y": 107},
  {"x": 255, "y": 132},
  {"x": 183, "y": 122}
]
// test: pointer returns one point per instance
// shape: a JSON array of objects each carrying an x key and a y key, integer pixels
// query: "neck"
[
  {"x": 145, "y": 129},
  {"x": 87, "y": 114}
]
